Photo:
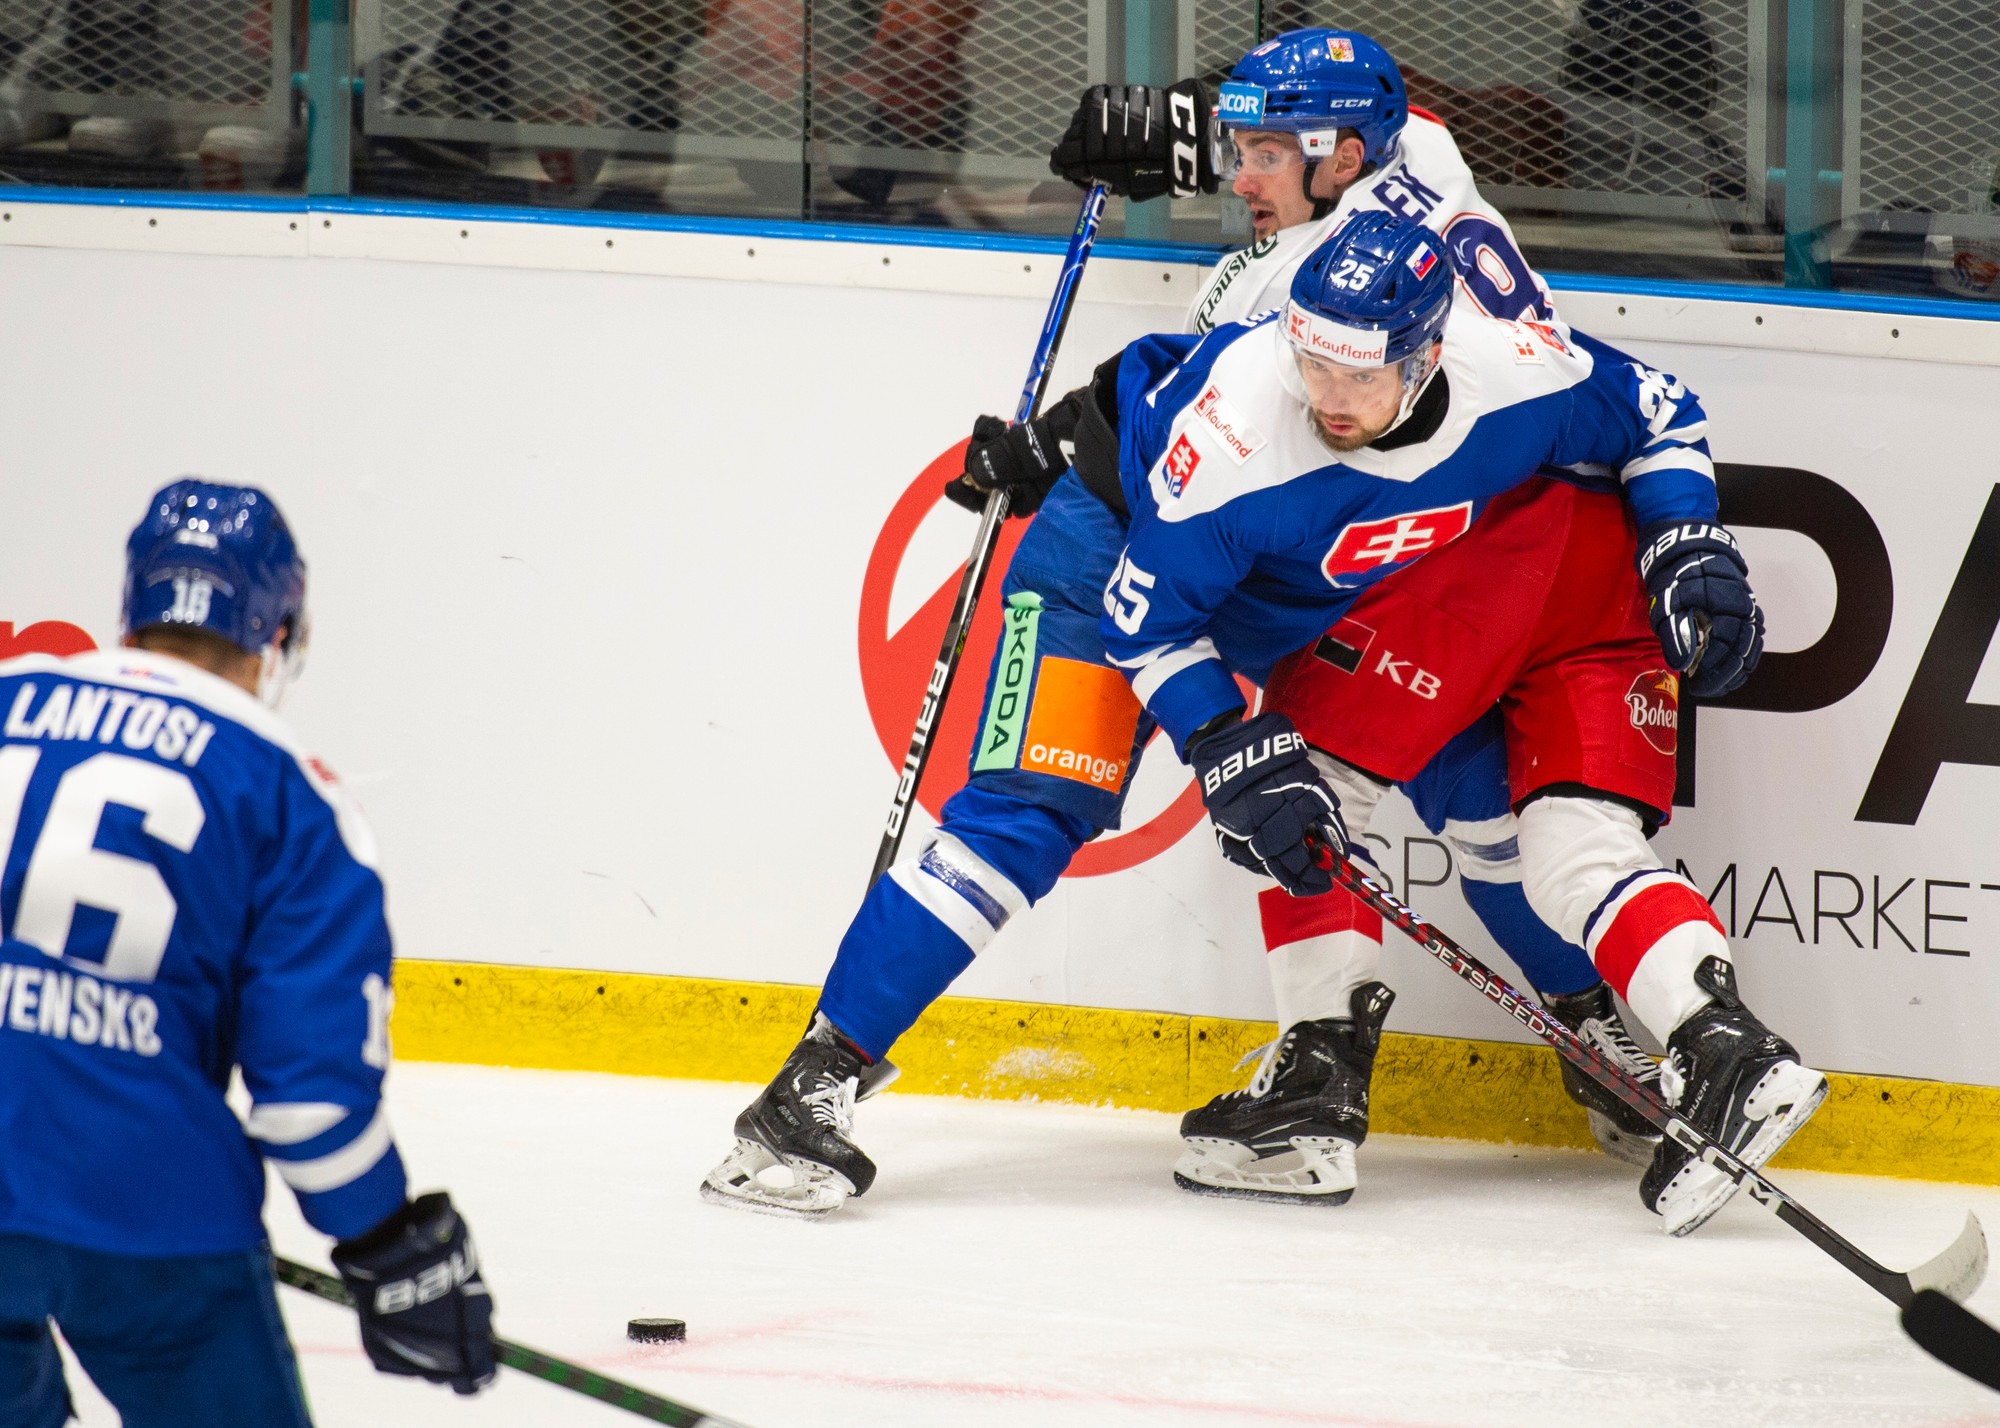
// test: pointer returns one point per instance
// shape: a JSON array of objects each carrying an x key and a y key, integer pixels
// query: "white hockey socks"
[
  {"x": 1322, "y": 948},
  {"x": 1590, "y": 874}
]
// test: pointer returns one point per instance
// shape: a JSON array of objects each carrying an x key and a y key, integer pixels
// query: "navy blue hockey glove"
[
  {"x": 1701, "y": 604},
  {"x": 1140, "y": 140},
  {"x": 1271, "y": 810},
  {"x": 424, "y": 1309},
  {"x": 1025, "y": 457}
]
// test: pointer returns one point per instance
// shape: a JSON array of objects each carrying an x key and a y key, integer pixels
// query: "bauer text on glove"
[
  {"x": 1270, "y": 807},
  {"x": 1701, "y": 604},
  {"x": 423, "y": 1305}
]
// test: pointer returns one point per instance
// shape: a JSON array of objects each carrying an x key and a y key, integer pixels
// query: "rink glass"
[{"x": 1831, "y": 144}]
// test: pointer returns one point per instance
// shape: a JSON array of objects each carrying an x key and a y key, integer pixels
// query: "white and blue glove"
[
  {"x": 1272, "y": 811},
  {"x": 1701, "y": 604}
]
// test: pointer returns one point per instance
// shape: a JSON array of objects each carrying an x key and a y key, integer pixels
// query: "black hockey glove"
[
  {"x": 1701, "y": 604},
  {"x": 1141, "y": 141},
  {"x": 1025, "y": 457},
  {"x": 1268, "y": 803},
  {"x": 424, "y": 1309}
]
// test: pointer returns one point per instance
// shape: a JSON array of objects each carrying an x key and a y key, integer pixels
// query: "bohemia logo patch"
[
  {"x": 1654, "y": 701},
  {"x": 1181, "y": 461},
  {"x": 1372, "y": 545}
]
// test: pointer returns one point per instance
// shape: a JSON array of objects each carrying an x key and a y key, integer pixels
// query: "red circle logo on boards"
[
  {"x": 51, "y": 637},
  {"x": 896, "y": 667}
]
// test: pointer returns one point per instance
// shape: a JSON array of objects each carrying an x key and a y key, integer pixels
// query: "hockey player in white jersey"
[
  {"x": 1313, "y": 127},
  {"x": 188, "y": 894}
]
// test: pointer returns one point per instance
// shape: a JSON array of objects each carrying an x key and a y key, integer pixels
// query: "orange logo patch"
[{"x": 1081, "y": 723}]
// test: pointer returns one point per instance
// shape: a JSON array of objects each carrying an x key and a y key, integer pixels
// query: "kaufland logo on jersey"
[
  {"x": 1333, "y": 342},
  {"x": 1374, "y": 545},
  {"x": 1240, "y": 441}
]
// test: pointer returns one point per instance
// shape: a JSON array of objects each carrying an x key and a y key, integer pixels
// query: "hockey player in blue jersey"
[
  {"x": 186, "y": 893},
  {"x": 1265, "y": 474}
]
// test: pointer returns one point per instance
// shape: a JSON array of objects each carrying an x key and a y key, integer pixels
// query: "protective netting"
[
  {"x": 1642, "y": 98},
  {"x": 868, "y": 81},
  {"x": 1925, "y": 80},
  {"x": 600, "y": 73},
  {"x": 146, "y": 57}
]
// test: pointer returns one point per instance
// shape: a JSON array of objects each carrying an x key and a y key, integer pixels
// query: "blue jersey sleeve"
[
  {"x": 313, "y": 1034},
  {"x": 1172, "y": 575},
  {"x": 1648, "y": 428},
  {"x": 1157, "y": 606}
]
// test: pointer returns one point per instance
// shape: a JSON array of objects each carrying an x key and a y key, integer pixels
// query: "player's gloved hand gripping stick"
[
  {"x": 1270, "y": 807},
  {"x": 957, "y": 627},
  {"x": 530, "y": 1361},
  {"x": 1928, "y": 1295}
]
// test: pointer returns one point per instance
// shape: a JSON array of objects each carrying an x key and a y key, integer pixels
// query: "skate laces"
[
  {"x": 1267, "y": 1069},
  {"x": 833, "y": 1104},
  {"x": 1611, "y": 1037}
]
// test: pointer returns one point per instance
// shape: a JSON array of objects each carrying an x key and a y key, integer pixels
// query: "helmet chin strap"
[
  {"x": 274, "y": 675},
  {"x": 1417, "y": 375},
  {"x": 1320, "y": 206}
]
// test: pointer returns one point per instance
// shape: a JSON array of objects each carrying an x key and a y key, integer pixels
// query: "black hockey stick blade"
[
  {"x": 1953, "y": 1334},
  {"x": 1948, "y": 1332},
  {"x": 523, "y": 1359}
]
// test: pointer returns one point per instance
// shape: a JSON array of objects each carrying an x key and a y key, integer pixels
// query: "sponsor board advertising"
[{"x": 619, "y": 648}]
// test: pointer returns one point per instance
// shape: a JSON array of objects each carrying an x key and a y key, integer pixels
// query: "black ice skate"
[
  {"x": 1735, "y": 1081},
  {"x": 1292, "y": 1135},
  {"x": 795, "y": 1152},
  {"x": 1619, "y": 1130}
]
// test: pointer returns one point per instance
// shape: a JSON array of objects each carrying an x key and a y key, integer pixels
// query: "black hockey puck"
[{"x": 656, "y": 1331}]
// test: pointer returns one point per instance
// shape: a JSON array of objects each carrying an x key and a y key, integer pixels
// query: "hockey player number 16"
[{"x": 67, "y": 868}]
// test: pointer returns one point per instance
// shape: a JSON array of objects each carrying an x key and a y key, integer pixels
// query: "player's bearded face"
[{"x": 1351, "y": 406}]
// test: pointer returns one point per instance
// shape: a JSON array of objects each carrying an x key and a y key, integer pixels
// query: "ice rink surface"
[{"x": 1034, "y": 1265}]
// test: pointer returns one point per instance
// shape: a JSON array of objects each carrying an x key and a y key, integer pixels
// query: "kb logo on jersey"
[{"x": 1374, "y": 545}]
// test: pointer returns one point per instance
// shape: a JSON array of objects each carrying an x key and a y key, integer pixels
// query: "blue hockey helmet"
[
  {"x": 221, "y": 558},
  {"x": 1314, "y": 83},
  {"x": 1374, "y": 293}
]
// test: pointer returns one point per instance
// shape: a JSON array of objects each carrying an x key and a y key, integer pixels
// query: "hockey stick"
[
  {"x": 533, "y": 1361},
  {"x": 1926, "y": 1295},
  {"x": 945, "y": 669}
]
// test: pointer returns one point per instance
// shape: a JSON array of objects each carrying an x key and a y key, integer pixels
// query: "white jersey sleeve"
[{"x": 1429, "y": 181}]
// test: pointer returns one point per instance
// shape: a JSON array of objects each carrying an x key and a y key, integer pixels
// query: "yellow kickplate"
[{"x": 1424, "y": 1085}]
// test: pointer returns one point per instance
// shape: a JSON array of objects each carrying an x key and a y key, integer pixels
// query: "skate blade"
[
  {"x": 1788, "y": 1095},
  {"x": 747, "y": 1180},
  {"x": 1316, "y": 1170},
  {"x": 1621, "y": 1144}
]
